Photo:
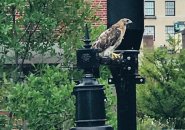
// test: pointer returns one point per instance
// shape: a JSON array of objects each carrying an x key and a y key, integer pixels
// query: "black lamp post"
[
  {"x": 125, "y": 77},
  {"x": 125, "y": 74},
  {"x": 90, "y": 107},
  {"x": 90, "y": 113}
]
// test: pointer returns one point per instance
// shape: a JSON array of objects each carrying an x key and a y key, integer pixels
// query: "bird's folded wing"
[{"x": 107, "y": 39}]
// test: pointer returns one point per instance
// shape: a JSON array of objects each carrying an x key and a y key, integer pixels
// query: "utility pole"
[
  {"x": 125, "y": 77},
  {"x": 125, "y": 74}
]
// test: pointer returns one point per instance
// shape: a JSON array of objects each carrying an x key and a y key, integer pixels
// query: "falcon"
[{"x": 111, "y": 38}]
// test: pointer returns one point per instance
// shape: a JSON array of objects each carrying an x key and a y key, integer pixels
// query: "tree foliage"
[
  {"x": 41, "y": 28},
  {"x": 38, "y": 28},
  {"x": 44, "y": 101},
  {"x": 162, "y": 97}
]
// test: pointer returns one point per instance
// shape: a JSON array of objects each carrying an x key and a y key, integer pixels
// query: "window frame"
[
  {"x": 169, "y": 8},
  {"x": 153, "y": 26},
  {"x": 150, "y": 8},
  {"x": 167, "y": 34}
]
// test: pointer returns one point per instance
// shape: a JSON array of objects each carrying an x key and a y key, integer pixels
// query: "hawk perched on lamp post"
[{"x": 110, "y": 39}]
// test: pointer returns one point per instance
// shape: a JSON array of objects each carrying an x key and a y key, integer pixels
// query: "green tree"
[
  {"x": 162, "y": 97},
  {"x": 44, "y": 101},
  {"x": 43, "y": 27}
]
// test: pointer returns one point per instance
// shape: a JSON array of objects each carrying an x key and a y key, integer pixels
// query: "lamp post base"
[{"x": 93, "y": 128}]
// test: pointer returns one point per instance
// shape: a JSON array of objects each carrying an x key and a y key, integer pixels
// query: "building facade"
[{"x": 160, "y": 16}]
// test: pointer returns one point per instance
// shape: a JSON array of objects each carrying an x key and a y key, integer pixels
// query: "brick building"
[{"x": 101, "y": 6}]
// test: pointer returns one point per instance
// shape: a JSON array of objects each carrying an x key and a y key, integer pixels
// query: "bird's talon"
[{"x": 115, "y": 56}]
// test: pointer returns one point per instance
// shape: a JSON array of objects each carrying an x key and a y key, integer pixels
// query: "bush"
[
  {"x": 44, "y": 101},
  {"x": 162, "y": 97}
]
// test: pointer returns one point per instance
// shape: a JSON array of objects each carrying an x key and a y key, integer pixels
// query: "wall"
[
  {"x": 101, "y": 10},
  {"x": 161, "y": 20}
]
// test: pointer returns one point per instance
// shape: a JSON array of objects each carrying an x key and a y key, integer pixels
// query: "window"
[
  {"x": 170, "y": 8},
  {"x": 169, "y": 30},
  {"x": 150, "y": 30},
  {"x": 149, "y": 8}
]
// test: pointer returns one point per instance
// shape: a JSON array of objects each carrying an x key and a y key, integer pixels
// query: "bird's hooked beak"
[{"x": 129, "y": 21}]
